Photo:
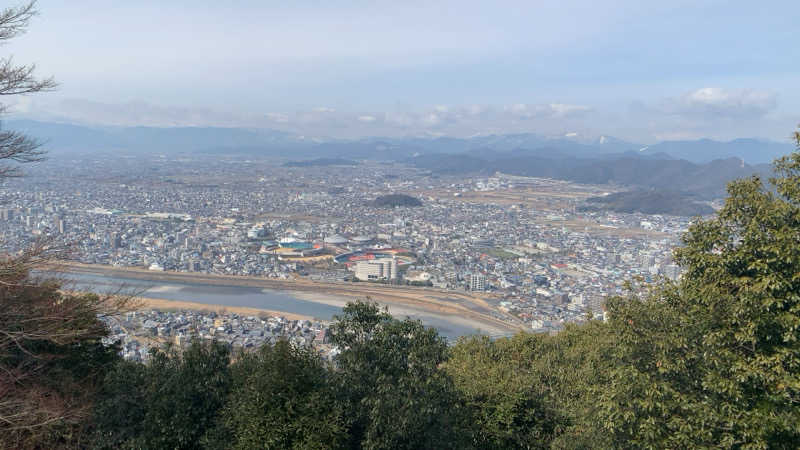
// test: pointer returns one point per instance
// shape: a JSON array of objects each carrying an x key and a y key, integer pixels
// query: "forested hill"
[
  {"x": 704, "y": 180},
  {"x": 648, "y": 202},
  {"x": 392, "y": 200}
]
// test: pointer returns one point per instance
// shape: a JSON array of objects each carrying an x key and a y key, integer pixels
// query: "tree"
[
  {"x": 120, "y": 407},
  {"x": 51, "y": 351},
  {"x": 282, "y": 398},
  {"x": 533, "y": 390},
  {"x": 52, "y": 358},
  {"x": 501, "y": 387},
  {"x": 171, "y": 402},
  {"x": 714, "y": 358},
  {"x": 393, "y": 391},
  {"x": 18, "y": 80}
]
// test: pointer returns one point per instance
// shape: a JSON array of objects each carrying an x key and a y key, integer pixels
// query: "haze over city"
[{"x": 644, "y": 72}]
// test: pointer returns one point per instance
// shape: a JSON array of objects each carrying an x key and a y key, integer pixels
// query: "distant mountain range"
[
  {"x": 753, "y": 151},
  {"x": 701, "y": 168},
  {"x": 68, "y": 139}
]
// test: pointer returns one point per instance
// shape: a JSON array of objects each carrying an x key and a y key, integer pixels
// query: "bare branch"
[
  {"x": 16, "y": 80},
  {"x": 20, "y": 148},
  {"x": 38, "y": 319},
  {"x": 14, "y": 20}
]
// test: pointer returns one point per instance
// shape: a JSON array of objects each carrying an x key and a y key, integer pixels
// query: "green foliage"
[
  {"x": 533, "y": 390},
  {"x": 393, "y": 200},
  {"x": 281, "y": 399},
  {"x": 499, "y": 382},
  {"x": 169, "y": 403},
  {"x": 714, "y": 359},
  {"x": 392, "y": 391},
  {"x": 649, "y": 202},
  {"x": 500, "y": 253},
  {"x": 119, "y": 414}
]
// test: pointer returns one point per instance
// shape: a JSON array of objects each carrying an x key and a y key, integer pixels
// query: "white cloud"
[
  {"x": 519, "y": 109},
  {"x": 709, "y": 112},
  {"x": 552, "y": 110},
  {"x": 324, "y": 121},
  {"x": 474, "y": 110},
  {"x": 432, "y": 119},
  {"x": 277, "y": 117},
  {"x": 130, "y": 114},
  {"x": 715, "y": 102},
  {"x": 563, "y": 110}
]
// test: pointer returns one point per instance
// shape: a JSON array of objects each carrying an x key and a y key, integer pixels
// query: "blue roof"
[{"x": 296, "y": 245}]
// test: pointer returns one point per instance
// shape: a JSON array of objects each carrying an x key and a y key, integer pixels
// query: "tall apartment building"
[
  {"x": 7, "y": 214},
  {"x": 477, "y": 282}
]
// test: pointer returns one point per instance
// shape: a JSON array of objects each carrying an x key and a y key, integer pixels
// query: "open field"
[
  {"x": 563, "y": 197},
  {"x": 542, "y": 194},
  {"x": 594, "y": 228},
  {"x": 528, "y": 198}
]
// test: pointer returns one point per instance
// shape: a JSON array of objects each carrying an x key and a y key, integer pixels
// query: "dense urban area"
[
  {"x": 137, "y": 332},
  {"x": 522, "y": 243}
]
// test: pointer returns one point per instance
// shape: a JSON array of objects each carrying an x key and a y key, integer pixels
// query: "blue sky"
[{"x": 639, "y": 70}]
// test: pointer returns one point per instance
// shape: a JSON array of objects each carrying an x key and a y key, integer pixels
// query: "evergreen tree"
[
  {"x": 393, "y": 392},
  {"x": 714, "y": 359},
  {"x": 281, "y": 398},
  {"x": 533, "y": 390},
  {"x": 171, "y": 402},
  {"x": 502, "y": 389}
]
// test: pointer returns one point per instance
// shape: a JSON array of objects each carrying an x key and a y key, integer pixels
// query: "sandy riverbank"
[
  {"x": 171, "y": 305},
  {"x": 455, "y": 307},
  {"x": 401, "y": 311}
]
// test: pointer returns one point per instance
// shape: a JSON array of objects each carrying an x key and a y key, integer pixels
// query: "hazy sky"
[{"x": 641, "y": 70}]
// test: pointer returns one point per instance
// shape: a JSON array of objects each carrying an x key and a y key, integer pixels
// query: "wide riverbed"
[{"x": 318, "y": 306}]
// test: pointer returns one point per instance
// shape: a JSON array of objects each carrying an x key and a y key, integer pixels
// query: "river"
[{"x": 450, "y": 327}]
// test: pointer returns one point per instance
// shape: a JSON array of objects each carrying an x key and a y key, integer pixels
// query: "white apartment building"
[
  {"x": 477, "y": 282},
  {"x": 376, "y": 269}
]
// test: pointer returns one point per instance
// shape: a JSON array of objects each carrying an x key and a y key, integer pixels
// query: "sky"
[{"x": 644, "y": 71}]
